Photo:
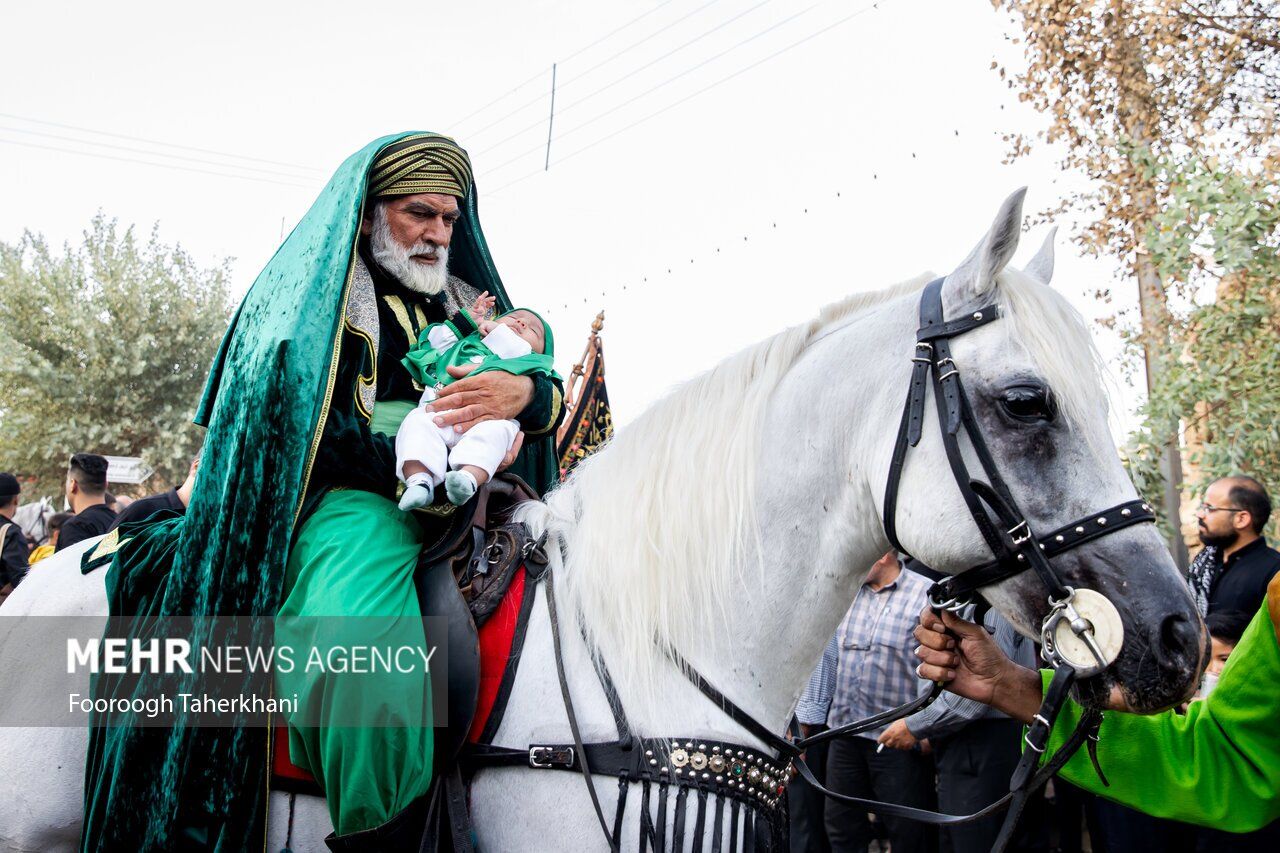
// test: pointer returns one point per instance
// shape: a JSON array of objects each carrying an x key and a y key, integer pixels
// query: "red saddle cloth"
[{"x": 497, "y": 636}]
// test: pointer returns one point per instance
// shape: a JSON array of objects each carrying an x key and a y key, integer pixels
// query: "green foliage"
[
  {"x": 105, "y": 349},
  {"x": 1218, "y": 246}
]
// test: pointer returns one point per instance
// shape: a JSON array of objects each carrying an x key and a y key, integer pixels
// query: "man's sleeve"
[
  {"x": 947, "y": 715},
  {"x": 546, "y": 410},
  {"x": 70, "y": 533},
  {"x": 351, "y": 454},
  {"x": 1218, "y": 765},
  {"x": 14, "y": 555},
  {"x": 815, "y": 701}
]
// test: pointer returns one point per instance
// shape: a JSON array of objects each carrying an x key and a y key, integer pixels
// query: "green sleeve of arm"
[
  {"x": 350, "y": 454},
  {"x": 546, "y": 410},
  {"x": 1218, "y": 765}
]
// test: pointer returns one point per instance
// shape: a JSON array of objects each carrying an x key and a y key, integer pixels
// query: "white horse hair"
[{"x": 733, "y": 522}]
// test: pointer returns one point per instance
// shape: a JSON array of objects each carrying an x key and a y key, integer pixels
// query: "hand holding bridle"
[{"x": 963, "y": 657}]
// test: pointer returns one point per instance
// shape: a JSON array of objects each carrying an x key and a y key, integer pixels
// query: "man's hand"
[
  {"x": 510, "y": 458},
  {"x": 492, "y": 395},
  {"x": 898, "y": 736},
  {"x": 969, "y": 663}
]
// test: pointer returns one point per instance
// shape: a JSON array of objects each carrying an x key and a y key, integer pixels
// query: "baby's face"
[{"x": 527, "y": 326}]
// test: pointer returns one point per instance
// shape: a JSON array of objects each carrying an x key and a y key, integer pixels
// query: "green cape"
[{"x": 264, "y": 405}]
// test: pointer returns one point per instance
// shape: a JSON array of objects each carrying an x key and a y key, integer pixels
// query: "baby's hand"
[
  {"x": 482, "y": 306},
  {"x": 486, "y": 326}
]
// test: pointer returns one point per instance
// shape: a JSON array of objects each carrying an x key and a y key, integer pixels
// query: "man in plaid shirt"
[{"x": 875, "y": 670}]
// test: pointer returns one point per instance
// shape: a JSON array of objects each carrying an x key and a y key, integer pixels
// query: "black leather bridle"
[{"x": 1015, "y": 548}]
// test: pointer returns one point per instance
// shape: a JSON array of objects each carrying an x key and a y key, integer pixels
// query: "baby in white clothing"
[{"x": 518, "y": 342}]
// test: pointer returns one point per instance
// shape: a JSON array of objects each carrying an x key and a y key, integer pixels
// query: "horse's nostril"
[{"x": 1179, "y": 642}]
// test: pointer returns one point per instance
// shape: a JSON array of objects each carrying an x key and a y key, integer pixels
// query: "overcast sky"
[{"x": 852, "y": 145}]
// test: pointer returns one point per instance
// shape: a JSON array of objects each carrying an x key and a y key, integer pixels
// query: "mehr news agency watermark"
[{"x": 330, "y": 671}]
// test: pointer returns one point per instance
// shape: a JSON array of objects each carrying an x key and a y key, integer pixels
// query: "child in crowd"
[
  {"x": 518, "y": 342},
  {"x": 1226, "y": 627}
]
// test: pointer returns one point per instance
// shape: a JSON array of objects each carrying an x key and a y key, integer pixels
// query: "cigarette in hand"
[{"x": 879, "y": 749}]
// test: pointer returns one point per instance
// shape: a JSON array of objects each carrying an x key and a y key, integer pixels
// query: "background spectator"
[
  {"x": 876, "y": 670},
  {"x": 1235, "y": 566},
  {"x": 174, "y": 500},
  {"x": 86, "y": 492},
  {"x": 54, "y": 527},
  {"x": 13, "y": 543}
]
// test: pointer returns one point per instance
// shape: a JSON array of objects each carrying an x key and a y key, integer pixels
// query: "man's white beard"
[{"x": 398, "y": 260}]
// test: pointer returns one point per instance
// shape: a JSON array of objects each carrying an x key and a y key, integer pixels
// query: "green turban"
[{"x": 422, "y": 163}]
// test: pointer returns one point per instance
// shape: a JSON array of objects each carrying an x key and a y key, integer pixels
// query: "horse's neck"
[{"x": 820, "y": 531}]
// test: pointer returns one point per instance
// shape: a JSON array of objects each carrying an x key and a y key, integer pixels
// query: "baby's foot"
[
  {"x": 415, "y": 497},
  {"x": 459, "y": 486}
]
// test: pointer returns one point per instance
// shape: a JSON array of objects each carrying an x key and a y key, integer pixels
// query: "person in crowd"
[
  {"x": 976, "y": 749},
  {"x": 1226, "y": 627},
  {"x": 53, "y": 527},
  {"x": 1217, "y": 766},
  {"x": 87, "y": 494},
  {"x": 875, "y": 671},
  {"x": 1236, "y": 564},
  {"x": 174, "y": 500},
  {"x": 807, "y": 806},
  {"x": 14, "y": 550}
]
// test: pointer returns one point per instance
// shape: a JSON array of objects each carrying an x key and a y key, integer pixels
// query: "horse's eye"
[{"x": 1029, "y": 404}]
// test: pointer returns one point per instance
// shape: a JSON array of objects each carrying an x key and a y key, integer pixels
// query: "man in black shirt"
[
  {"x": 174, "y": 500},
  {"x": 1233, "y": 571},
  {"x": 14, "y": 550},
  {"x": 86, "y": 492}
]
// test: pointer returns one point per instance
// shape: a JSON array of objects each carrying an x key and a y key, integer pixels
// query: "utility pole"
[{"x": 551, "y": 119}]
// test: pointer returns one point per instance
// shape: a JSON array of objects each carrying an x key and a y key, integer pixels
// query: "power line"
[
  {"x": 669, "y": 81},
  {"x": 158, "y": 142},
  {"x": 701, "y": 91},
  {"x": 579, "y": 52},
  {"x": 112, "y": 146},
  {"x": 572, "y": 80},
  {"x": 151, "y": 163},
  {"x": 627, "y": 76}
]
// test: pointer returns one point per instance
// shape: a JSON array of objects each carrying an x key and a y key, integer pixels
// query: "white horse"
[{"x": 734, "y": 522}]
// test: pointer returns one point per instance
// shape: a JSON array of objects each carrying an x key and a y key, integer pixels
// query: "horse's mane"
[{"x": 654, "y": 525}]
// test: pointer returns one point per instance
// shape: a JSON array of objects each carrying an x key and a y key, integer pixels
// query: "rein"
[{"x": 754, "y": 782}]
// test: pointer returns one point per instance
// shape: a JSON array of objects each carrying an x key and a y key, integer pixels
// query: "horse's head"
[{"x": 1033, "y": 381}]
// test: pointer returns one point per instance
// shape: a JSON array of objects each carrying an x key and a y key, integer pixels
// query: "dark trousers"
[
  {"x": 894, "y": 776},
  {"x": 974, "y": 768},
  {"x": 807, "y": 806}
]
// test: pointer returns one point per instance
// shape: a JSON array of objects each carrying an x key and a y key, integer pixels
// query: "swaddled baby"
[{"x": 518, "y": 342}]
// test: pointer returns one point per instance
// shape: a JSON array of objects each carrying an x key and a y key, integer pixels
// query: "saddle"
[{"x": 462, "y": 578}]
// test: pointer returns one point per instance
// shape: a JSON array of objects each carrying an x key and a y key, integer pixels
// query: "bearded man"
[{"x": 293, "y": 510}]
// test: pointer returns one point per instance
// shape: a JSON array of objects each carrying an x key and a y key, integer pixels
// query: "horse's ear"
[
  {"x": 977, "y": 274},
  {"x": 1041, "y": 266}
]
